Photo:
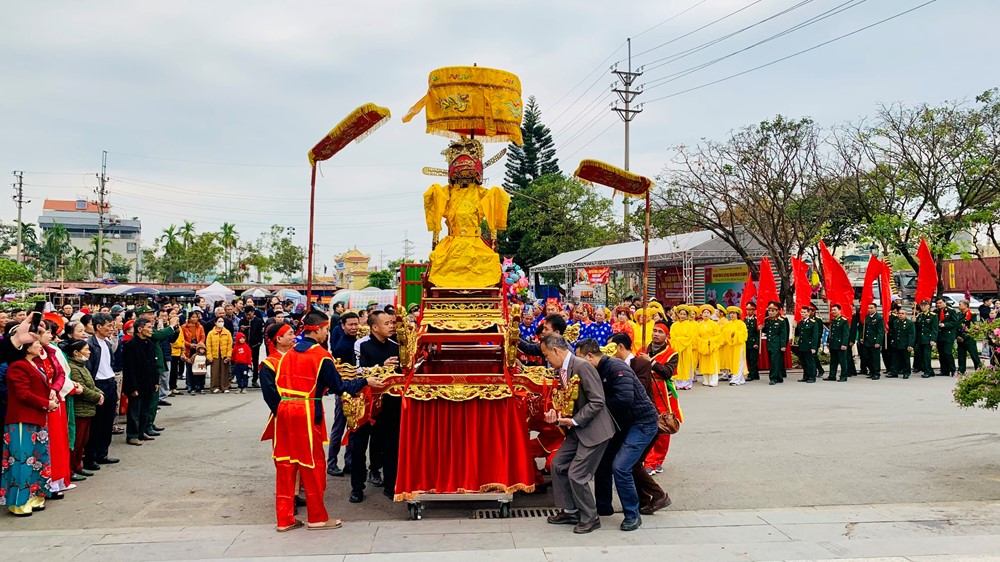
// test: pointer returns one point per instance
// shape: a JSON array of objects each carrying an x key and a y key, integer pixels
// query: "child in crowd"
[
  {"x": 241, "y": 360},
  {"x": 199, "y": 369}
]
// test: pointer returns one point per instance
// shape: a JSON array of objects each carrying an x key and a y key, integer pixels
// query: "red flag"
[
  {"x": 927, "y": 276},
  {"x": 749, "y": 292},
  {"x": 886, "y": 290},
  {"x": 803, "y": 290},
  {"x": 838, "y": 285},
  {"x": 867, "y": 290},
  {"x": 767, "y": 291}
]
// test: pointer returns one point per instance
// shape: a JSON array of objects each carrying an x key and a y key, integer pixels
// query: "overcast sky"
[{"x": 207, "y": 109}]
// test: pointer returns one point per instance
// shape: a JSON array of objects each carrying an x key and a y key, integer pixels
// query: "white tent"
[{"x": 216, "y": 292}]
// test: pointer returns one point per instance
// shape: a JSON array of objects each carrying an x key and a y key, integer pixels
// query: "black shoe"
[
  {"x": 300, "y": 501},
  {"x": 830, "y": 378},
  {"x": 388, "y": 494},
  {"x": 811, "y": 380},
  {"x": 803, "y": 380},
  {"x": 605, "y": 511},
  {"x": 564, "y": 519},
  {"x": 255, "y": 385},
  {"x": 631, "y": 524},
  {"x": 165, "y": 403},
  {"x": 334, "y": 470},
  {"x": 584, "y": 528},
  {"x": 375, "y": 479},
  {"x": 145, "y": 437},
  {"x": 157, "y": 428},
  {"x": 153, "y": 433},
  {"x": 772, "y": 383},
  {"x": 876, "y": 377},
  {"x": 906, "y": 376},
  {"x": 356, "y": 497},
  {"x": 91, "y": 466},
  {"x": 842, "y": 379},
  {"x": 77, "y": 478},
  {"x": 86, "y": 472},
  {"x": 926, "y": 376},
  {"x": 108, "y": 460},
  {"x": 892, "y": 376},
  {"x": 347, "y": 468}
]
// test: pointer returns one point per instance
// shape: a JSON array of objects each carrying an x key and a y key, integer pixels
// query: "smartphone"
[{"x": 36, "y": 316}]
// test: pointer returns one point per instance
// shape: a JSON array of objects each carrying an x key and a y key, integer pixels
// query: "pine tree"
[{"x": 536, "y": 157}]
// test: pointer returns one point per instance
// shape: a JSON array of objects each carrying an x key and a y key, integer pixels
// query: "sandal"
[
  {"x": 328, "y": 525},
  {"x": 296, "y": 525}
]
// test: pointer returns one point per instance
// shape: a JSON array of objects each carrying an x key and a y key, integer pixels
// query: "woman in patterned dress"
[{"x": 24, "y": 484}]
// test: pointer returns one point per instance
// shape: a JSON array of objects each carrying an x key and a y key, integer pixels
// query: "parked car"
[{"x": 953, "y": 298}]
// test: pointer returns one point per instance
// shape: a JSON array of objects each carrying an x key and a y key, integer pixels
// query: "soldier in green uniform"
[
  {"x": 903, "y": 335},
  {"x": 927, "y": 333},
  {"x": 840, "y": 331},
  {"x": 776, "y": 332},
  {"x": 948, "y": 323},
  {"x": 889, "y": 334},
  {"x": 966, "y": 343},
  {"x": 807, "y": 335},
  {"x": 852, "y": 341},
  {"x": 872, "y": 338},
  {"x": 753, "y": 343}
]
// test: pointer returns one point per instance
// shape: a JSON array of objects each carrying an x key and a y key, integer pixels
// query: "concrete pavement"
[{"x": 916, "y": 532}]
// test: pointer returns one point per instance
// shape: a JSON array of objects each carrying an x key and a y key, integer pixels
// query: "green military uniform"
[
  {"x": 927, "y": 333},
  {"x": 840, "y": 331},
  {"x": 776, "y": 332},
  {"x": 887, "y": 348},
  {"x": 948, "y": 323},
  {"x": 872, "y": 334},
  {"x": 852, "y": 339},
  {"x": 752, "y": 348},
  {"x": 166, "y": 334},
  {"x": 807, "y": 336},
  {"x": 902, "y": 336},
  {"x": 967, "y": 344}
]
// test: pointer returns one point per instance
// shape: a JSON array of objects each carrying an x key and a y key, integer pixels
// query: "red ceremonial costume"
[
  {"x": 661, "y": 393},
  {"x": 299, "y": 433},
  {"x": 58, "y": 423}
]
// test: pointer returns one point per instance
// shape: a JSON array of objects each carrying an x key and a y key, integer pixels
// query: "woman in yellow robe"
[
  {"x": 725, "y": 363},
  {"x": 708, "y": 339},
  {"x": 682, "y": 339},
  {"x": 734, "y": 333},
  {"x": 640, "y": 339}
]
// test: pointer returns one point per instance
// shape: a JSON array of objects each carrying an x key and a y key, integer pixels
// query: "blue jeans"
[
  {"x": 623, "y": 452},
  {"x": 242, "y": 373}
]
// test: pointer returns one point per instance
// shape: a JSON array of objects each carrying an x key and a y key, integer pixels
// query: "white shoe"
[
  {"x": 225, "y": 392},
  {"x": 215, "y": 391}
]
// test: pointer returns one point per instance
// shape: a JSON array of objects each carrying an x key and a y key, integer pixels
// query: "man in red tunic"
[{"x": 302, "y": 377}]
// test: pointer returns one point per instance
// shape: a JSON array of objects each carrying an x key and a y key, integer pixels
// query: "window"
[
  {"x": 81, "y": 205},
  {"x": 131, "y": 247}
]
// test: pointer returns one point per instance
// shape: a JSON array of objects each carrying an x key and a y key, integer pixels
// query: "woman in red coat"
[
  {"x": 56, "y": 369},
  {"x": 26, "y": 469}
]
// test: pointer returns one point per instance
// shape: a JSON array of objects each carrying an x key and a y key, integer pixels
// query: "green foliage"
[
  {"x": 15, "y": 278},
  {"x": 286, "y": 258},
  {"x": 556, "y": 214},
  {"x": 536, "y": 157},
  {"x": 91, "y": 255},
  {"x": 980, "y": 389},
  {"x": 381, "y": 279},
  {"x": 119, "y": 266}
]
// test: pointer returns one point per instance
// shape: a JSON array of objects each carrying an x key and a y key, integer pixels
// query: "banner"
[
  {"x": 670, "y": 285},
  {"x": 724, "y": 284},
  {"x": 593, "y": 275}
]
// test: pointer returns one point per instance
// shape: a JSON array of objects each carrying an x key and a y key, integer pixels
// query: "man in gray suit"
[{"x": 587, "y": 435}]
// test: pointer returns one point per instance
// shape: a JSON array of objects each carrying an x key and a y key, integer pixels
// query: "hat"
[
  {"x": 144, "y": 309},
  {"x": 56, "y": 319},
  {"x": 706, "y": 308},
  {"x": 413, "y": 307},
  {"x": 721, "y": 308},
  {"x": 775, "y": 303},
  {"x": 372, "y": 302},
  {"x": 925, "y": 301},
  {"x": 809, "y": 306},
  {"x": 734, "y": 310},
  {"x": 128, "y": 326},
  {"x": 116, "y": 309},
  {"x": 85, "y": 310}
]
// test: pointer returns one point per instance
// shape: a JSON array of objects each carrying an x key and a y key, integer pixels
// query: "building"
[
  {"x": 81, "y": 219},
  {"x": 352, "y": 269}
]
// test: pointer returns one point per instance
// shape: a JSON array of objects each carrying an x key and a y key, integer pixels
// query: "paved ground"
[
  {"x": 752, "y": 447},
  {"x": 896, "y": 532}
]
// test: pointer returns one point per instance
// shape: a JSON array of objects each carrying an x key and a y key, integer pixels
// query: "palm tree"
[
  {"x": 186, "y": 233},
  {"x": 55, "y": 240},
  {"x": 171, "y": 242},
  {"x": 91, "y": 255},
  {"x": 228, "y": 238}
]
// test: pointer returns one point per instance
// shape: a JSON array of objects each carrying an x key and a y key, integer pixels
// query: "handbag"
[{"x": 667, "y": 422}]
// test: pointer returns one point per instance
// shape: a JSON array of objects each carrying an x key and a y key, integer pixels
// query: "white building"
[{"x": 81, "y": 219}]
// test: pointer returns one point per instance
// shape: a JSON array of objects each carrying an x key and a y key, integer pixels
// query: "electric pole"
[
  {"x": 627, "y": 113},
  {"x": 407, "y": 247},
  {"x": 19, "y": 199},
  {"x": 102, "y": 193}
]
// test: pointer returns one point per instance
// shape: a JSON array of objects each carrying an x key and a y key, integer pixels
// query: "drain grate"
[{"x": 515, "y": 512}]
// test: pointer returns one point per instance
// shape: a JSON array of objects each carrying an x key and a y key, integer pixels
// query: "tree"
[
  {"x": 119, "y": 267},
  {"x": 988, "y": 228},
  {"x": 14, "y": 278},
  {"x": 286, "y": 258},
  {"x": 557, "y": 214},
  {"x": 228, "y": 238},
  {"x": 171, "y": 240},
  {"x": 536, "y": 157},
  {"x": 925, "y": 172},
  {"x": 186, "y": 233},
  {"x": 202, "y": 256},
  {"x": 92, "y": 255},
  {"x": 55, "y": 241},
  {"x": 250, "y": 254},
  {"x": 768, "y": 185},
  {"x": 381, "y": 279}
]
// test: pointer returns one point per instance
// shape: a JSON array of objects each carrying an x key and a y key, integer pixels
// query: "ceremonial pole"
[{"x": 312, "y": 226}]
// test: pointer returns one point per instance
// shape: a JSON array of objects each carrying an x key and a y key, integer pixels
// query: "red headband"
[{"x": 284, "y": 329}]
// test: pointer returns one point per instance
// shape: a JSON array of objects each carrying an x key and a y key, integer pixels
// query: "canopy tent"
[
  {"x": 71, "y": 291},
  {"x": 177, "y": 293},
  {"x": 42, "y": 291},
  {"x": 119, "y": 290},
  {"x": 216, "y": 292},
  {"x": 359, "y": 299},
  {"x": 256, "y": 293},
  {"x": 292, "y": 295}
]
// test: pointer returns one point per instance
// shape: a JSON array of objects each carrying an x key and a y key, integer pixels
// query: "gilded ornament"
[
  {"x": 354, "y": 409},
  {"x": 572, "y": 333},
  {"x": 563, "y": 399}
]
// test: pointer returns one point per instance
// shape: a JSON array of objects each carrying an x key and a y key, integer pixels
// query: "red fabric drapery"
[
  {"x": 838, "y": 285},
  {"x": 927, "y": 275},
  {"x": 873, "y": 272},
  {"x": 886, "y": 291},
  {"x": 749, "y": 292},
  {"x": 461, "y": 447},
  {"x": 767, "y": 291},
  {"x": 803, "y": 290}
]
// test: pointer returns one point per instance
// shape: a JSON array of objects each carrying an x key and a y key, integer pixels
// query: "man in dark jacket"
[
  {"x": 903, "y": 338},
  {"x": 927, "y": 333},
  {"x": 753, "y": 343},
  {"x": 342, "y": 351},
  {"x": 871, "y": 341},
  {"x": 776, "y": 331},
  {"x": 635, "y": 417},
  {"x": 840, "y": 351},
  {"x": 948, "y": 323},
  {"x": 253, "y": 326},
  {"x": 139, "y": 380}
]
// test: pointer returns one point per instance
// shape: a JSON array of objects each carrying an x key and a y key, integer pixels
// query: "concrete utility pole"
[
  {"x": 102, "y": 192},
  {"x": 19, "y": 199},
  {"x": 627, "y": 113}
]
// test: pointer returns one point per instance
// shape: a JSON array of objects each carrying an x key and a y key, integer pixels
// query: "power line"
[
  {"x": 803, "y": 51},
  {"x": 671, "y": 18},
  {"x": 801, "y": 25},
  {"x": 586, "y": 144},
  {"x": 252, "y": 165},
  {"x": 19, "y": 200},
  {"x": 591, "y": 73}
]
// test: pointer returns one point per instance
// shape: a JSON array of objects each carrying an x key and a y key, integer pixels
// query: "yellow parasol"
[{"x": 356, "y": 126}]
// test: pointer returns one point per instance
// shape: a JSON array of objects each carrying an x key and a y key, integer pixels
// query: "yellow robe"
[
  {"x": 682, "y": 339},
  {"x": 640, "y": 344},
  {"x": 725, "y": 362},
  {"x": 708, "y": 341},
  {"x": 735, "y": 336},
  {"x": 462, "y": 259}
]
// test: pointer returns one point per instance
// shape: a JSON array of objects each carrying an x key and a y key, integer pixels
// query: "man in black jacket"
[
  {"x": 102, "y": 366},
  {"x": 635, "y": 417},
  {"x": 342, "y": 351},
  {"x": 139, "y": 380},
  {"x": 552, "y": 324},
  {"x": 253, "y": 326}
]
